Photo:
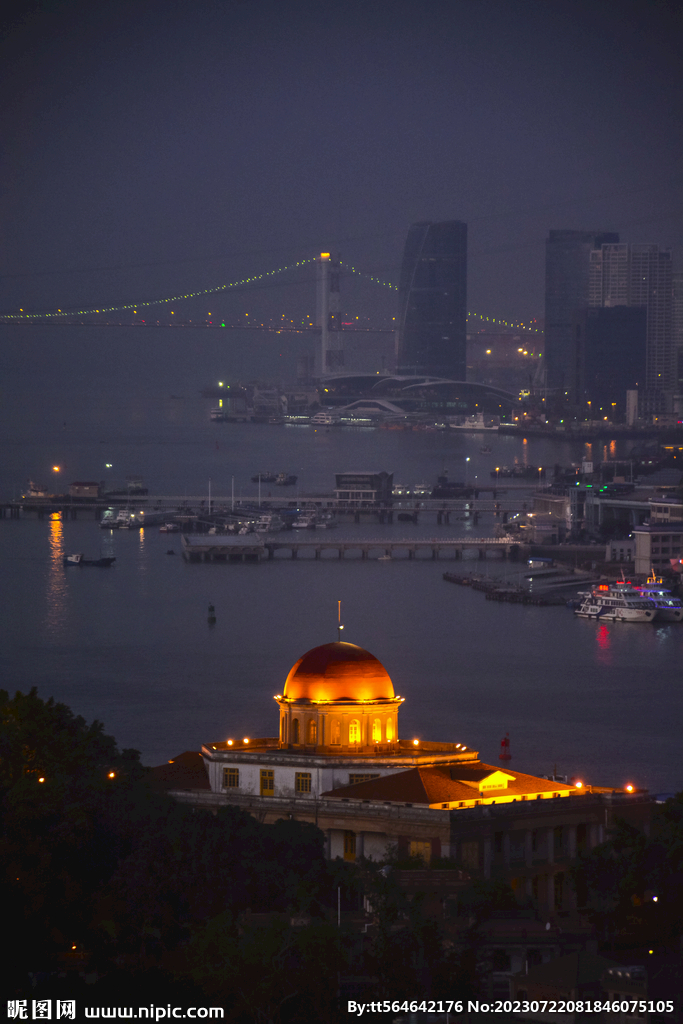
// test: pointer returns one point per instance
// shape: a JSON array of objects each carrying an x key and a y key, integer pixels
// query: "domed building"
[
  {"x": 338, "y": 762},
  {"x": 339, "y": 698}
]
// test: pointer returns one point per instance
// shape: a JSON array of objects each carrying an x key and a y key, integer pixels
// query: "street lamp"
[{"x": 466, "y": 469}]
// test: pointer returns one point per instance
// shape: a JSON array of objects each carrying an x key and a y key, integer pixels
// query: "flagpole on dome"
[{"x": 339, "y": 627}]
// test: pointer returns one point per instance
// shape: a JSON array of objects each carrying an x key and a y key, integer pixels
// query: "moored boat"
[
  {"x": 79, "y": 559},
  {"x": 669, "y": 608},
  {"x": 620, "y": 602}
]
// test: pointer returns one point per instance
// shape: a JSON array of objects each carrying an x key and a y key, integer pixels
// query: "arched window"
[
  {"x": 354, "y": 731},
  {"x": 377, "y": 731},
  {"x": 335, "y": 731},
  {"x": 312, "y": 732},
  {"x": 390, "y": 730},
  {"x": 295, "y": 730}
]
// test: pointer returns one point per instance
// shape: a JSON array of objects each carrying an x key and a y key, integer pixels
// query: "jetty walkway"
[{"x": 253, "y": 548}]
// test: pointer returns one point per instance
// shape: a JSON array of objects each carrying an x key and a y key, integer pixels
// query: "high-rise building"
[
  {"x": 567, "y": 266},
  {"x": 610, "y": 345},
  {"x": 432, "y": 321},
  {"x": 641, "y": 276}
]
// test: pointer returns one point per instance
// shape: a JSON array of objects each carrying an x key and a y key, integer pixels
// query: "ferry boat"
[
  {"x": 324, "y": 418},
  {"x": 669, "y": 608},
  {"x": 620, "y": 602}
]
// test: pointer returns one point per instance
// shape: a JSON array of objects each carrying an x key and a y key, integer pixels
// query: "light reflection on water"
[{"x": 56, "y": 607}]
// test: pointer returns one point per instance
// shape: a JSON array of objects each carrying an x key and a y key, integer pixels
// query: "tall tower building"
[
  {"x": 641, "y": 276},
  {"x": 432, "y": 321},
  {"x": 567, "y": 266},
  {"x": 328, "y": 313}
]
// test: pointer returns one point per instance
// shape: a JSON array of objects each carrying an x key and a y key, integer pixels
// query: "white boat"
[
  {"x": 324, "y": 418},
  {"x": 620, "y": 602},
  {"x": 306, "y": 521},
  {"x": 270, "y": 523},
  {"x": 108, "y": 520},
  {"x": 169, "y": 528},
  {"x": 669, "y": 609}
]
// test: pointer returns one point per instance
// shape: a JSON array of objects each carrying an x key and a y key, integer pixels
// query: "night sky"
[{"x": 155, "y": 147}]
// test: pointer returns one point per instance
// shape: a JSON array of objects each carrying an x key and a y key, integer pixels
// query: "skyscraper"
[
  {"x": 641, "y": 275},
  {"x": 432, "y": 320},
  {"x": 567, "y": 264}
]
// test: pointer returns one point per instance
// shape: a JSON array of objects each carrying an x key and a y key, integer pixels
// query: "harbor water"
[{"x": 132, "y": 647}]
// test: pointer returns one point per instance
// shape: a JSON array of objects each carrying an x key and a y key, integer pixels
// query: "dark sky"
[{"x": 166, "y": 145}]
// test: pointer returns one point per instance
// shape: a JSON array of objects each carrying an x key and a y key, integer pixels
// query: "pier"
[{"x": 251, "y": 548}]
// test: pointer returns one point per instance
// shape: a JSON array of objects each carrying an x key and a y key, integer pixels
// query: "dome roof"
[{"x": 338, "y": 671}]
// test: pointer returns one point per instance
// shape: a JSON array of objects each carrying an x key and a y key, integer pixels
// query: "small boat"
[
  {"x": 169, "y": 528},
  {"x": 669, "y": 609},
  {"x": 620, "y": 602},
  {"x": 270, "y": 523},
  {"x": 385, "y": 558},
  {"x": 306, "y": 521},
  {"x": 78, "y": 559},
  {"x": 285, "y": 480}
]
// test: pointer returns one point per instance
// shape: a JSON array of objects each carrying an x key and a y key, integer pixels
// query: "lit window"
[
  {"x": 390, "y": 730},
  {"x": 354, "y": 731},
  {"x": 422, "y": 850},
  {"x": 356, "y": 777},
  {"x": 377, "y": 731},
  {"x": 303, "y": 782},
  {"x": 267, "y": 782},
  {"x": 231, "y": 778},
  {"x": 312, "y": 732}
]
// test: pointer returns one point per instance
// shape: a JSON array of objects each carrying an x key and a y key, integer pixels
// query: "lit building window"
[
  {"x": 349, "y": 846},
  {"x": 312, "y": 732},
  {"x": 267, "y": 782},
  {"x": 377, "y": 731},
  {"x": 390, "y": 730},
  {"x": 423, "y": 850},
  {"x": 231, "y": 778},
  {"x": 354, "y": 731},
  {"x": 356, "y": 777},
  {"x": 303, "y": 782}
]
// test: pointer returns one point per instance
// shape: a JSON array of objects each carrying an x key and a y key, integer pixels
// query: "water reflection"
[
  {"x": 56, "y": 582},
  {"x": 604, "y": 645}
]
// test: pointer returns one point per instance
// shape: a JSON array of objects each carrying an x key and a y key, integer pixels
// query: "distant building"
[
  {"x": 370, "y": 488},
  {"x": 432, "y": 320},
  {"x": 610, "y": 355},
  {"x": 84, "y": 489},
  {"x": 567, "y": 266},
  {"x": 635, "y": 275}
]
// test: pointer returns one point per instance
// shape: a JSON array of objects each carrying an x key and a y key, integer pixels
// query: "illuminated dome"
[{"x": 338, "y": 672}]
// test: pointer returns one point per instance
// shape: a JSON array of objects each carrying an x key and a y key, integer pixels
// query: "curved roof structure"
[{"x": 338, "y": 671}]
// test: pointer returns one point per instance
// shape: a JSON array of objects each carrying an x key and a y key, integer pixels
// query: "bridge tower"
[{"x": 328, "y": 313}]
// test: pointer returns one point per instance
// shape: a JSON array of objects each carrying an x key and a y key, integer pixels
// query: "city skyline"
[{"x": 145, "y": 155}]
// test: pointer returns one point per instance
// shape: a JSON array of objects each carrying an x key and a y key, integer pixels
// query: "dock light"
[
  {"x": 245, "y": 740},
  {"x": 55, "y": 469},
  {"x": 579, "y": 785},
  {"x": 112, "y": 775},
  {"x": 41, "y": 779},
  {"x": 107, "y": 465},
  {"x": 229, "y": 743},
  {"x": 629, "y": 788},
  {"x": 416, "y": 743},
  {"x": 655, "y": 899}
]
